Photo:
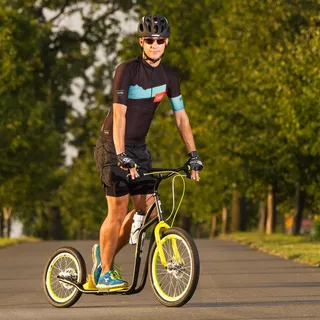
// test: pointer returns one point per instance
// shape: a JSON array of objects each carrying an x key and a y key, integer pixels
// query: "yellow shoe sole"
[{"x": 112, "y": 289}]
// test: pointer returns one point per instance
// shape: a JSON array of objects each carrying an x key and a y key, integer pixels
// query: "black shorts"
[{"x": 114, "y": 179}]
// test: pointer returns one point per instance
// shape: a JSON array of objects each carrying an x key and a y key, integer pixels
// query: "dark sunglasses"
[{"x": 151, "y": 40}]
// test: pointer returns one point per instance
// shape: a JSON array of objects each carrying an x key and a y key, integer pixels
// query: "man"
[{"x": 139, "y": 86}]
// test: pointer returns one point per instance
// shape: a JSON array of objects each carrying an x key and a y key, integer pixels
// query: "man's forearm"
[
  {"x": 119, "y": 127},
  {"x": 185, "y": 132}
]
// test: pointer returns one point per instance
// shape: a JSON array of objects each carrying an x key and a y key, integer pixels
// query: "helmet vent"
[{"x": 154, "y": 25}]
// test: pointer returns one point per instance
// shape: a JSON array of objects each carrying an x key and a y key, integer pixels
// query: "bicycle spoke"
[{"x": 175, "y": 280}]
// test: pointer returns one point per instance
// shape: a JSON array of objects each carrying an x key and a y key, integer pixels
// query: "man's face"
[{"x": 153, "y": 46}]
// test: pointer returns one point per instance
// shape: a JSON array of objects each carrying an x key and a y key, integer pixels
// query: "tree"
[
  {"x": 233, "y": 60},
  {"x": 40, "y": 60}
]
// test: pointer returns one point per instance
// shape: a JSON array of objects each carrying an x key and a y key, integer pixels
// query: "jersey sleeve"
[
  {"x": 121, "y": 84},
  {"x": 174, "y": 93}
]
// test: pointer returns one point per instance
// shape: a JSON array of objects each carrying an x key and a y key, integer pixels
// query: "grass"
[
  {"x": 4, "y": 242},
  {"x": 297, "y": 248}
]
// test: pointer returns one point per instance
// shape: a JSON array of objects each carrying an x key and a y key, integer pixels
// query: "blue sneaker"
[
  {"x": 97, "y": 266},
  {"x": 111, "y": 279}
]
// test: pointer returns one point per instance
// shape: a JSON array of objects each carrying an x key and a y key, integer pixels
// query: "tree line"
[{"x": 250, "y": 81}]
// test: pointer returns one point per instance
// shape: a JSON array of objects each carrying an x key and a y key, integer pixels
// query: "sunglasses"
[{"x": 151, "y": 40}]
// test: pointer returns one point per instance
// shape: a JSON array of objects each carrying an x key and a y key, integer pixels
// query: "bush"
[{"x": 315, "y": 231}]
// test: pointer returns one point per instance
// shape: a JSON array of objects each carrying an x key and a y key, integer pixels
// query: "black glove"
[
  {"x": 194, "y": 161},
  {"x": 125, "y": 161}
]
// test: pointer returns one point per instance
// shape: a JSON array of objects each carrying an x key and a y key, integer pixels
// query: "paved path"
[{"x": 236, "y": 282}]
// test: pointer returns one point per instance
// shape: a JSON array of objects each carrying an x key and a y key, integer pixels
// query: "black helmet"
[{"x": 153, "y": 26}]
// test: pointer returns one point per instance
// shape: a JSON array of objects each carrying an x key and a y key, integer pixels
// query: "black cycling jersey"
[{"x": 141, "y": 88}]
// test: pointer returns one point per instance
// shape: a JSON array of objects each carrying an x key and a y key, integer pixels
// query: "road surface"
[{"x": 236, "y": 282}]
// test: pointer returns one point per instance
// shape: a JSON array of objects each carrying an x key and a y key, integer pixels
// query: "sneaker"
[
  {"x": 111, "y": 279},
  {"x": 97, "y": 266}
]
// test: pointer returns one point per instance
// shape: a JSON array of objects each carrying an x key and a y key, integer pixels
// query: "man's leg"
[
  {"x": 125, "y": 229},
  {"x": 141, "y": 202},
  {"x": 110, "y": 230}
]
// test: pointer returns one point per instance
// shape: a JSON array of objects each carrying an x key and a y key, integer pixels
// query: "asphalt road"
[{"x": 236, "y": 282}]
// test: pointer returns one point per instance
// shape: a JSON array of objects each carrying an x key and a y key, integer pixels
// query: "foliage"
[
  {"x": 316, "y": 230},
  {"x": 42, "y": 61},
  {"x": 250, "y": 82}
]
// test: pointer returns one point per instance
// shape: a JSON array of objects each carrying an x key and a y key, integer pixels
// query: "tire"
[
  {"x": 175, "y": 285},
  {"x": 69, "y": 262}
]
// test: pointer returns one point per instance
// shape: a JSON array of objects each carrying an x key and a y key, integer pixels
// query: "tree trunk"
[
  {"x": 186, "y": 223},
  {"x": 262, "y": 216},
  {"x": 213, "y": 231},
  {"x": 300, "y": 202},
  {"x": 235, "y": 212},
  {"x": 224, "y": 224},
  {"x": 274, "y": 208},
  {"x": 197, "y": 232},
  {"x": 243, "y": 214},
  {"x": 7, "y": 213},
  {"x": 1, "y": 225},
  {"x": 271, "y": 211},
  {"x": 43, "y": 230},
  {"x": 55, "y": 225}
]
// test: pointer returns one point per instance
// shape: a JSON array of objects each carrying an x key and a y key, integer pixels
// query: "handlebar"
[
  {"x": 159, "y": 173},
  {"x": 163, "y": 173}
]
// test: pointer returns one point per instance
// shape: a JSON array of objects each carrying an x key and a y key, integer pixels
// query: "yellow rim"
[
  {"x": 61, "y": 287},
  {"x": 160, "y": 274}
]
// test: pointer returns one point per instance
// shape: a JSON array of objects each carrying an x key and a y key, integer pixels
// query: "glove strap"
[
  {"x": 122, "y": 154},
  {"x": 193, "y": 154}
]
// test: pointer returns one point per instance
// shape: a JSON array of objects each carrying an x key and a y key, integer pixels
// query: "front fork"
[
  {"x": 162, "y": 225},
  {"x": 160, "y": 242}
]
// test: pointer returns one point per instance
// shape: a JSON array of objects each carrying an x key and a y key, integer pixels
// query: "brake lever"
[
  {"x": 188, "y": 171},
  {"x": 129, "y": 178}
]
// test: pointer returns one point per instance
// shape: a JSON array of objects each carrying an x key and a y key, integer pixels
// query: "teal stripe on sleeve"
[{"x": 176, "y": 103}]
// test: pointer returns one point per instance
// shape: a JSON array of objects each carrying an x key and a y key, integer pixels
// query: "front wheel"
[
  {"x": 174, "y": 283},
  {"x": 66, "y": 263}
]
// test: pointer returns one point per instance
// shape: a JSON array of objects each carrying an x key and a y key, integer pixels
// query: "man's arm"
[
  {"x": 119, "y": 126},
  {"x": 184, "y": 128},
  {"x": 185, "y": 131},
  {"x": 119, "y": 129}
]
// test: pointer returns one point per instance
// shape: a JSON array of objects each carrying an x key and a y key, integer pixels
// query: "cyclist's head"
[
  {"x": 154, "y": 32},
  {"x": 154, "y": 26}
]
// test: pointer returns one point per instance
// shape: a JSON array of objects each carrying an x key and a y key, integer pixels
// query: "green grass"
[
  {"x": 4, "y": 242},
  {"x": 298, "y": 248}
]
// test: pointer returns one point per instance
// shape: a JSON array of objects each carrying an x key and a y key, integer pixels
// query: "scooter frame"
[{"x": 155, "y": 236}]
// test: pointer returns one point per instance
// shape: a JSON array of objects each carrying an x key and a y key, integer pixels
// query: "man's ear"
[
  {"x": 167, "y": 42},
  {"x": 141, "y": 42}
]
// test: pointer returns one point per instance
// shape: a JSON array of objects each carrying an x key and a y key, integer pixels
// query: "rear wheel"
[
  {"x": 66, "y": 263},
  {"x": 174, "y": 284}
]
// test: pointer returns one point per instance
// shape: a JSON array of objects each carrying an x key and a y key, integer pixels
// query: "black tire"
[
  {"x": 67, "y": 261},
  {"x": 181, "y": 274}
]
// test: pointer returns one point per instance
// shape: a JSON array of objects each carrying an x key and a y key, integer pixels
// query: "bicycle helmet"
[{"x": 154, "y": 26}]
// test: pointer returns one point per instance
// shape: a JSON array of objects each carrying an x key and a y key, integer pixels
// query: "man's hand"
[
  {"x": 195, "y": 165},
  {"x": 125, "y": 162}
]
